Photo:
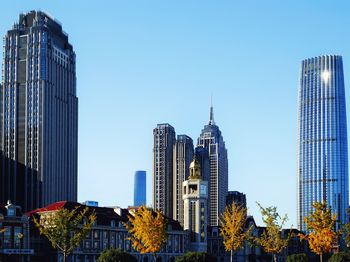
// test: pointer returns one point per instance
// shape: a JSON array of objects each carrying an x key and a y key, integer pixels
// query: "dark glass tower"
[
  {"x": 164, "y": 140},
  {"x": 183, "y": 156},
  {"x": 212, "y": 141},
  {"x": 140, "y": 188},
  {"x": 38, "y": 114},
  {"x": 322, "y": 171}
]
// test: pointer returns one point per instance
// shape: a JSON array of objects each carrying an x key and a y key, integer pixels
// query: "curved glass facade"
[{"x": 322, "y": 160}]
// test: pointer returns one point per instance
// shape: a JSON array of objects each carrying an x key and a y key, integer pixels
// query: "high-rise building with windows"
[
  {"x": 322, "y": 159},
  {"x": 38, "y": 114},
  {"x": 212, "y": 141},
  {"x": 140, "y": 188},
  {"x": 238, "y": 198},
  {"x": 183, "y": 155},
  {"x": 163, "y": 144}
]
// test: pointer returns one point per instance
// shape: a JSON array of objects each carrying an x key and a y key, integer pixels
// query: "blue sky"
[{"x": 140, "y": 63}]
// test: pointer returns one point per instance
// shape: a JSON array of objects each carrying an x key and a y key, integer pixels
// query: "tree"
[
  {"x": 147, "y": 230},
  {"x": 297, "y": 258},
  {"x": 65, "y": 228},
  {"x": 271, "y": 239},
  {"x": 232, "y": 229},
  {"x": 340, "y": 257},
  {"x": 346, "y": 232},
  {"x": 195, "y": 257},
  {"x": 1, "y": 232},
  {"x": 320, "y": 223},
  {"x": 115, "y": 255}
]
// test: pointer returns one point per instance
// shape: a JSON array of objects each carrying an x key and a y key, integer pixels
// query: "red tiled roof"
[{"x": 51, "y": 207}]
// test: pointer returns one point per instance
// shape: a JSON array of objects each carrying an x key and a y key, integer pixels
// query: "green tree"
[
  {"x": 147, "y": 230},
  {"x": 232, "y": 230},
  {"x": 297, "y": 258},
  {"x": 320, "y": 224},
  {"x": 195, "y": 257},
  {"x": 346, "y": 231},
  {"x": 115, "y": 255},
  {"x": 65, "y": 228},
  {"x": 340, "y": 257},
  {"x": 271, "y": 239}
]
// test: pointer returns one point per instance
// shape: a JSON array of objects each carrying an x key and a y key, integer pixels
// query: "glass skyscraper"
[
  {"x": 38, "y": 114},
  {"x": 140, "y": 188},
  {"x": 213, "y": 143},
  {"x": 322, "y": 160}
]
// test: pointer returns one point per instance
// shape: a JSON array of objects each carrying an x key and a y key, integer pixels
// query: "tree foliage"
[
  {"x": 346, "y": 231},
  {"x": 195, "y": 257},
  {"x": 320, "y": 223},
  {"x": 65, "y": 228},
  {"x": 147, "y": 230},
  {"x": 232, "y": 230},
  {"x": 271, "y": 239},
  {"x": 115, "y": 255},
  {"x": 297, "y": 258},
  {"x": 340, "y": 257}
]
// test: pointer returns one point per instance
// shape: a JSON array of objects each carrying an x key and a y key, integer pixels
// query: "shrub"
[
  {"x": 115, "y": 255},
  {"x": 195, "y": 257},
  {"x": 340, "y": 257},
  {"x": 297, "y": 258}
]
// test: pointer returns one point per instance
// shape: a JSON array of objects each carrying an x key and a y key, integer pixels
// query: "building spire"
[{"x": 211, "y": 114}]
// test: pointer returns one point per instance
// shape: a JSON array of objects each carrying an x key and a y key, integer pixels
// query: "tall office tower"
[
  {"x": 195, "y": 196},
  {"x": 211, "y": 140},
  {"x": 39, "y": 114},
  {"x": 140, "y": 188},
  {"x": 322, "y": 166},
  {"x": 183, "y": 155},
  {"x": 164, "y": 140}
]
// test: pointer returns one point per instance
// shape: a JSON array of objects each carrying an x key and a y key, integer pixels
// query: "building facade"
[
  {"x": 107, "y": 232},
  {"x": 162, "y": 195},
  {"x": 322, "y": 147},
  {"x": 15, "y": 239},
  {"x": 140, "y": 188},
  {"x": 212, "y": 141},
  {"x": 183, "y": 155},
  {"x": 195, "y": 197},
  {"x": 236, "y": 197},
  {"x": 38, "y": 114}
]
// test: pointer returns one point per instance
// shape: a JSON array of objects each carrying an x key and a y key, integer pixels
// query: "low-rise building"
[
  {"x": 15, "y": 234},
  {"x": 107, "y": 232}
]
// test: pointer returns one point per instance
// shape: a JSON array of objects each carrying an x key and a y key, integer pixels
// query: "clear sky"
[{"x": 140, "y": 63}]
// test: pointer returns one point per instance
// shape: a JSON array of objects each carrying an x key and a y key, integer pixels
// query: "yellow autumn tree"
[
  {"x": 271, "y": 239},
  {"x": 232, "y": 230},
  {"x": 147, "y": 230},
  {"x": 320, "y": 224}
]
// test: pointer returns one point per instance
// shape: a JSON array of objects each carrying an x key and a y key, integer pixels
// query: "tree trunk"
[
  {"x": 274, "y": 257},
  {"x": 321, "y": 258},
  {"x": 155, "y": 257},
  {"x": 64, "y": 257}
]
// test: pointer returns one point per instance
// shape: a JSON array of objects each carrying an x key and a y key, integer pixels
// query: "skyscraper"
[
  {"x": 212, "y": 140},
  {"x": 164, "y": 140},
  {"x": 39, "y": 114},
  {"x": 322, "y": 165},
  {"x": 183, "y": 155},
  {"x": 140, "y": 188}
]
